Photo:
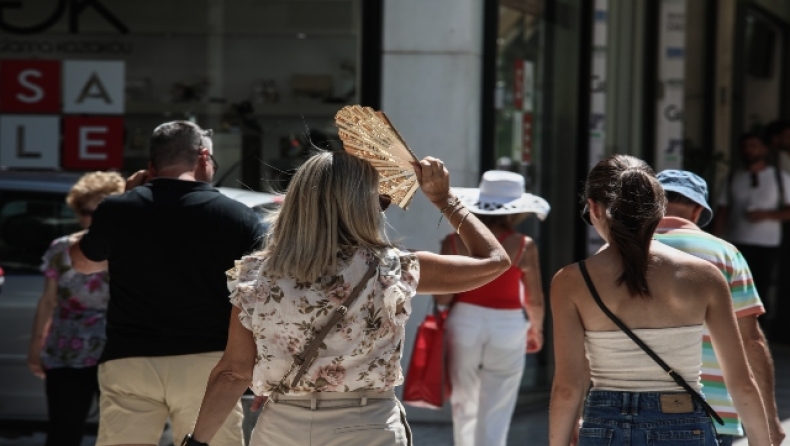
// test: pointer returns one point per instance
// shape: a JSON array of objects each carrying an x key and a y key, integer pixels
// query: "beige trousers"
[
  {"x": 139, "y": 394},
  {"x": 338, "y": 422}
]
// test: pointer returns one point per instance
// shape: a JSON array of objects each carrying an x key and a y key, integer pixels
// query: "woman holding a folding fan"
[
  {"x": 319, "y": 316},
  {"x": 489, "y": 328},
  {"x": 630, "y": 319}
]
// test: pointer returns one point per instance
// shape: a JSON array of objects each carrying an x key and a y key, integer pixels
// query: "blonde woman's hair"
[
  {"x": 332, "y": 201},
  {"x": 94, "y": 185}
]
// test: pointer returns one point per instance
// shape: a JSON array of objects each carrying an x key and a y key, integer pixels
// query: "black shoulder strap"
[
  {"x": 780, "y": 185},
  {"x": 675, "y": 376}
]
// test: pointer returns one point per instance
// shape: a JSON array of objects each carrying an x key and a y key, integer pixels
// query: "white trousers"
[{"x": 487, "y": 349}]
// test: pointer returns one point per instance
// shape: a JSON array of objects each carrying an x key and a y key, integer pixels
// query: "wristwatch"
[{"x": 189, "y": 441}]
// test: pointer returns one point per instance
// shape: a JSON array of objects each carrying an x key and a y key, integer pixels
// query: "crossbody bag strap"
[
  {"x": 675, "y": 376},
  {"x": 305, "y": 359},
  {"x": 780, "y": 185}
]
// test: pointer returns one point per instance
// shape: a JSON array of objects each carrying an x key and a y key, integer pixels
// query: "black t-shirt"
[{"x": 169, "y": 244}]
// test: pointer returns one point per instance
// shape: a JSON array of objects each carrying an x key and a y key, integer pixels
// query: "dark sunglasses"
[
  {"x": 208, "y": 133},
  {"x": 585, "y": 215},
  {"x": 384, "y": 202},
  {"x": 214, "y": 163},
  {"x": 86, "y": 212}
]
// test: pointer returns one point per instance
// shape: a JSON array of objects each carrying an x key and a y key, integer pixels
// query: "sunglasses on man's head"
[{"x": 384, "y": 202}]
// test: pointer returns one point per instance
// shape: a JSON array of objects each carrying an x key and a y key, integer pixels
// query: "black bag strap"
[
  {"x": 780, "y": 185},
  {"x": 675, "y": 376}
]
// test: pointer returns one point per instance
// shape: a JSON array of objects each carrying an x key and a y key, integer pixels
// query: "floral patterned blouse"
[
  {"x": 76, "y": 337},
  {"x": 362, "y": 353}
]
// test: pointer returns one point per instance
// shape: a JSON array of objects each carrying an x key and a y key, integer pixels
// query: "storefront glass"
[
  {"x": 535, "y": 130},
  {"x": 266, "y": 75}
]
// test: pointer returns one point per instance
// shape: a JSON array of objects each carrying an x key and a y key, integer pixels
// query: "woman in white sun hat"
[{"x": 488, "y": 332}]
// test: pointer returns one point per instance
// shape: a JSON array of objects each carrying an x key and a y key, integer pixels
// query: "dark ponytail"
[{"x": 635, "y": 204}]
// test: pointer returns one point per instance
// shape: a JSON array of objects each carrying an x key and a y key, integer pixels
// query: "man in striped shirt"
[{"x": 687, "y": 206}]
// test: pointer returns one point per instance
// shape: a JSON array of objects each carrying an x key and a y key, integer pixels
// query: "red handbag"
[{"x": 427, "y": 382}]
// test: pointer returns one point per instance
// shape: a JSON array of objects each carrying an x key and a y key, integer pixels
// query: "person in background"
[
  {"x": 752, "y": 204},
  {"x": 68, "y": 329},
  {"x": 168, "y": 244},
  {"x": 687, "y": 212},
  {"x": 488, "y": 329},
  {"x": 325, "y": 246},
  {"x": 664, "y": 296},
  {"x": 777, "y": 136}
]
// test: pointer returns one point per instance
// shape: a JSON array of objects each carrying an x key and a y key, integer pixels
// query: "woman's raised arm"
[{"x": 449, "y": 274}]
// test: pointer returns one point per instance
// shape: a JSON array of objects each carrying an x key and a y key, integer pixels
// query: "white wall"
[{"x": 431, "y": 90}]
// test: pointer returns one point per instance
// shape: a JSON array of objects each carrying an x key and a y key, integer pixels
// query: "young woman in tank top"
[
  {"x": 488, "y": 331},
  {"x": 663, "y": 295}
]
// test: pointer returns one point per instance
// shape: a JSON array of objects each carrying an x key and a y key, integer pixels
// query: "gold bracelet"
[
  {"x": 450, "y": 204},
  {"x": 450, "y": 218},
  {"x": 458, "y": 230}
]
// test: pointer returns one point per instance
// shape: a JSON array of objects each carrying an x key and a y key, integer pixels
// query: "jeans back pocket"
[
  {"x": 595, "y": 436},
  {"x": 670, "y": 437}
]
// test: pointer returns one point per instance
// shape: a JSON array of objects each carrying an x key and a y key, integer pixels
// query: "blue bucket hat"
[{"x": 691, "y": 186}]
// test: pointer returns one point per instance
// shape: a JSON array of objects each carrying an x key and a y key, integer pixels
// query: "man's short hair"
[
  {"x": 176, "y": 143},
  {"x": 678, "y": 198},
  {"x": 747, "y": 136}
]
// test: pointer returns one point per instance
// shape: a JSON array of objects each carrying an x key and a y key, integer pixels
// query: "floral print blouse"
[
  {"x": 76, "y": 337},
  {"x": 362, "y": 353}
]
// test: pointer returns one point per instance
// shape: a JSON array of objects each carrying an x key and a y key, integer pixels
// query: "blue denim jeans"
[{"x": 635, "y": 419}]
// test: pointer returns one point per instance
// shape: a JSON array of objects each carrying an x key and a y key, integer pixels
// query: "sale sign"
[
  {"x": 30, "y": 86},
  {"x": 30, "y": 142},
  {"x": 35, "y": 92},
  {"x": 92, "y": 143}
]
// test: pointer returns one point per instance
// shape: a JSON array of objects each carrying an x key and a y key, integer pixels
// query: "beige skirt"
[{"x": 333, "y": 419}]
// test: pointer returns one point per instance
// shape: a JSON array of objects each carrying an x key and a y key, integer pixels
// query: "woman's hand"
[
  {"x": 534, "y": 340},
  {"x": 34, "y": 363},
  {"x": 434, "y": 180}
]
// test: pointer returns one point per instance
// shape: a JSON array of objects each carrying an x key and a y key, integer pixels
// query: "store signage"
[
  {"x": 92, "y": 143},
  {"x": 670, "y": 74},
  {"x": 30, "y": 142},
  {"x": 66, "y": 47},
  {"x": 30, "y": 86},
  {"x": 92, "y": 89},
  {"x": 72, "y": 8}
]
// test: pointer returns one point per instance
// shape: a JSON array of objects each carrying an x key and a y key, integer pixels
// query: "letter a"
[{"x": 87, "y": 93}]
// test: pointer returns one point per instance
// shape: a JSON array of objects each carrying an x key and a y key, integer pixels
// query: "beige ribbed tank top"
[{"x": 618, "y": 364}]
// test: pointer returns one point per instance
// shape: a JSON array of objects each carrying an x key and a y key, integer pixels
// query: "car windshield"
[{"x": 29, "y": 222}]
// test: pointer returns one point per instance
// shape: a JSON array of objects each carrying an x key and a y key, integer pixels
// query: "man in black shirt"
[{"x": 167, "y": 245}]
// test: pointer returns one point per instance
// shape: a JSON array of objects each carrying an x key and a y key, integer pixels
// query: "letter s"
[{"x": 38, "y": 92}]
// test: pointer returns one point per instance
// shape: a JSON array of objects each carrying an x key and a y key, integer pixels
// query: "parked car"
[{"x": 33, "y": 213}]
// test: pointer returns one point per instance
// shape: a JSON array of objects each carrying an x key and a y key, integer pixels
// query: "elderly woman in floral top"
[
  {"x": 68, "y": 329},
  {"x": 325, "y": 242}
]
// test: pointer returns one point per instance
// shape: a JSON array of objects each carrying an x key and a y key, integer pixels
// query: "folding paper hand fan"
[{"x": 368, "y": 134}]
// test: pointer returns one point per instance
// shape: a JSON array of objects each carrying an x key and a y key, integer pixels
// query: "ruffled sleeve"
[
  {"x": 399, "y": 274},
  {"x": 53, "y": 262},
  {"x": 242, "y": 281}
]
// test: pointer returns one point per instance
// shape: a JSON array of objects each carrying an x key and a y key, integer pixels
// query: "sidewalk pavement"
[{"x": 529, "y": 425}]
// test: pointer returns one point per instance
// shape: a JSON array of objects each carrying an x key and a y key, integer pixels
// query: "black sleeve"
[
  {"x": 254, "y": 231},
  {"x": 95, "y": 243}
]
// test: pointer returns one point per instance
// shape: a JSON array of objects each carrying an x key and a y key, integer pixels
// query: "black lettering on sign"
[
  {"x": 20, "y": 145},
  {"x": 76, "y": 8},
  {"x": 99, "y": 92}
]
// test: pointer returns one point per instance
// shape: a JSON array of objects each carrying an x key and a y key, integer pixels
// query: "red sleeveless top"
[{"x": 502, "y": 293}]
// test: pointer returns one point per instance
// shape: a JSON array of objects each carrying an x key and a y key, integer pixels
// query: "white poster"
[
  {"x": 597, "y": 142},
  {"x": 94, "y": 87},
  {"x": 30, "y": 142},
  {"x": 671, "y": 66}
]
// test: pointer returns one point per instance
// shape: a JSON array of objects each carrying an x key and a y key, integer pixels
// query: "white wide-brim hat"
[{"x": 502, "y": 193}]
